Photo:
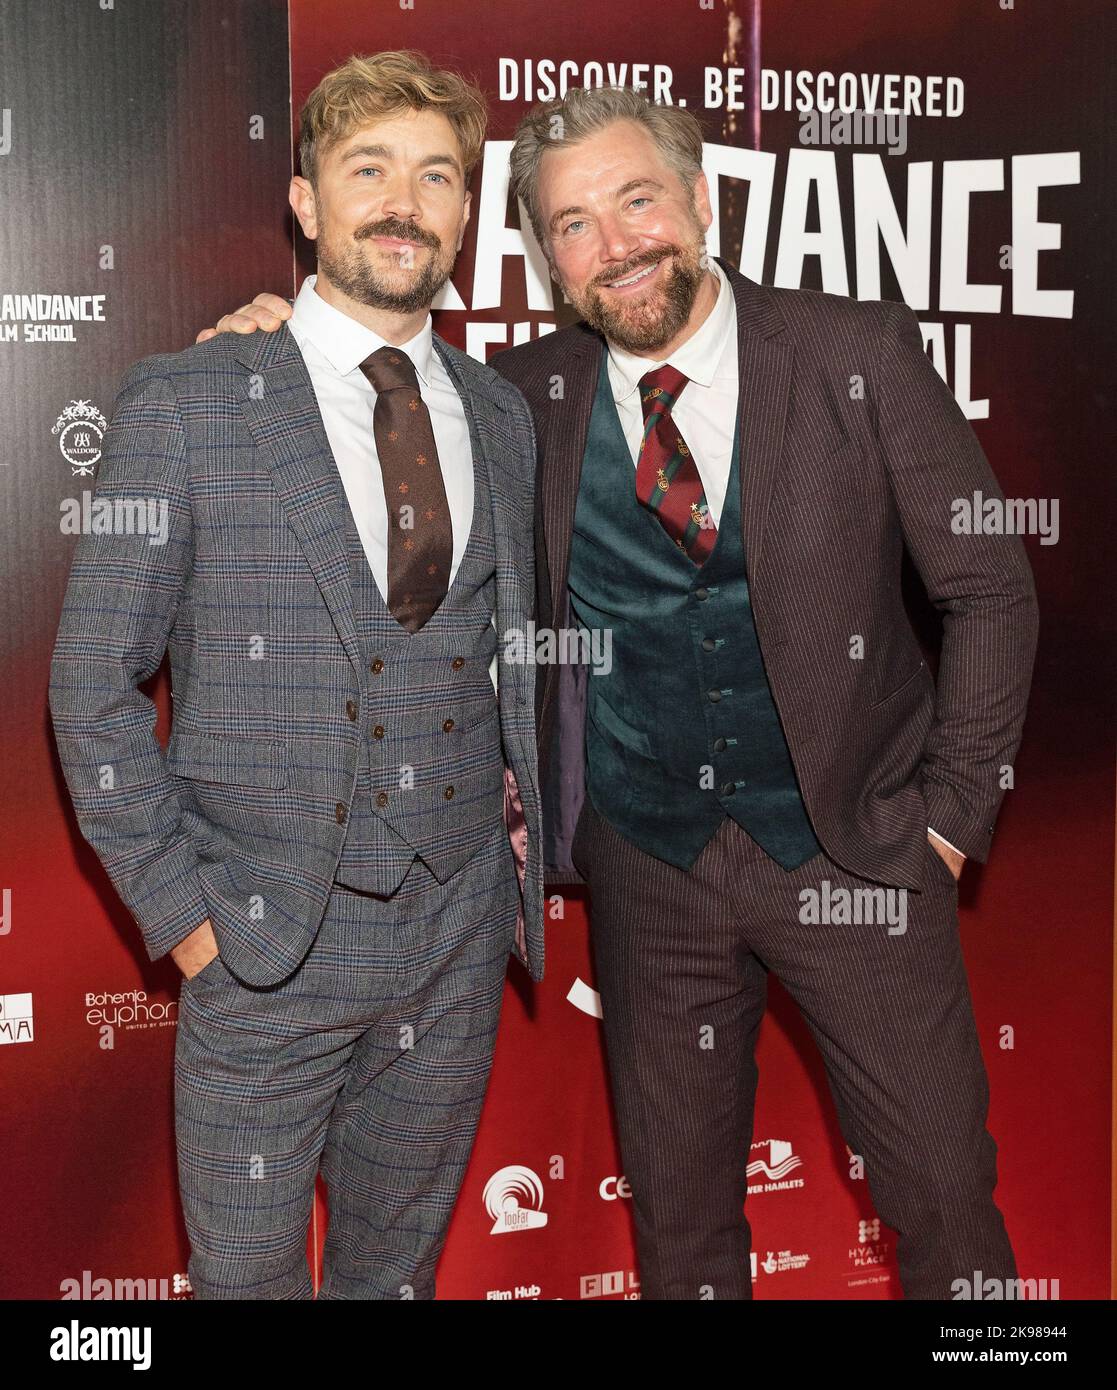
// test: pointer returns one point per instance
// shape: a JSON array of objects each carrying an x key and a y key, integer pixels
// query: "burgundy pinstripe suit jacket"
[{"x": 852, "y": 449}]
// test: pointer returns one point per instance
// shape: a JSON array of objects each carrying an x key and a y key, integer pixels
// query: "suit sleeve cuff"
[{"x": 945, "y": 841}]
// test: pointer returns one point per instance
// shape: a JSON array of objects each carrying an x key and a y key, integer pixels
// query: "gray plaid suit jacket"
[{"x": 228, "y": 433}]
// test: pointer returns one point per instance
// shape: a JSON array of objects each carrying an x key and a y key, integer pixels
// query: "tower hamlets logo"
[
  {"x": 782, "y": 1159},
  {"x": 80, "y": 428}
]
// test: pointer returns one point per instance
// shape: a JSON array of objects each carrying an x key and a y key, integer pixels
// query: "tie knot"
[
  {"x": 388, "y": 368},
  {"x": 660, "y": 389}
]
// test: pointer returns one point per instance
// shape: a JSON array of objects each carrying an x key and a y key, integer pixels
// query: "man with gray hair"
[{"x": 769, "y": 742}]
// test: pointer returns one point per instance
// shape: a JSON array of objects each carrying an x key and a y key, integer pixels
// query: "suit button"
[
  {"x": 713, "y": 696},
  {"x": 351, "y": 708},
  {"x": 339, "y": 813},
  {"x": 376, "y": 667},
  {"x": 719, "y": 745},
  {"x": 447, "y": 725},
  {"x": 381, "y": 798},
  {"x": 702, "y": 594},
  {"x": 729, "y": 789},
  {"x": 378, "y": 732},
  {"x": 458, "y": 662},
  {"x": 708, "y": 644},
  {"x": 448, "y": 793}
]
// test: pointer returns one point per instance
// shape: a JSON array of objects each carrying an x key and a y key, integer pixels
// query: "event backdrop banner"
[{"x": 144, "y": 156}]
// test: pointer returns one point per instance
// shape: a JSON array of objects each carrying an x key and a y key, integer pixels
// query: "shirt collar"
[
  {"x": 344, "y": 342},
  {"x": 699, "y": 357}
]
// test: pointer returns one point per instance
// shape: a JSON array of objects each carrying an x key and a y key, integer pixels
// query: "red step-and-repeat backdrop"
[{"x": 145, "y": 152}]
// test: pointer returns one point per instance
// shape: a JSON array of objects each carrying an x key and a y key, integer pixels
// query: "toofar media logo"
[{"x": 513, "y": 1197}]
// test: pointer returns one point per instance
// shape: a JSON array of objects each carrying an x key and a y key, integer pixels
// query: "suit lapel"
[
  {"x": 487, "y": 427},
  {"x": 560, "y": 461},
  {"x": 766, "y": 361},
  {"x": 286, "y": 424}
]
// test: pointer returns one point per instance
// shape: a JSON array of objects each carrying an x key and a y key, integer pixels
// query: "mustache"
[
  {"x": 632, "y": 265},
  {"x": 396, "y": 227}
]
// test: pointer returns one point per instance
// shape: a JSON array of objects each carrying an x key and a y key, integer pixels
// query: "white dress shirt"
[
  {"x": 333, "y": 346},
  {"x": 706, "y": 411}
]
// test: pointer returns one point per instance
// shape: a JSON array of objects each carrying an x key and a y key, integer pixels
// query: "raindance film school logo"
[
  {"x": 80, "y": 429},
  {"x": 772, "y": 1175},
  {"x": 513, "y": 1197},
  {"x": 47, "y": 318}
]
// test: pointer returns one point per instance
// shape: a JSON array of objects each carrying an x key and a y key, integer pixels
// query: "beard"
[
  {"x": 349, "y": 268},
  {"x": 652, "y": 320}
]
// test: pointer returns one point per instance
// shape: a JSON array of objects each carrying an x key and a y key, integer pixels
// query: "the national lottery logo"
[
  {"x": 80, "y": 429},
  {"x": 513, "y": 1197}
]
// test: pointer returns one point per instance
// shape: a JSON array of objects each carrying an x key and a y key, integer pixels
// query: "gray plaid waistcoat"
[{"x": 430, "y": 770}]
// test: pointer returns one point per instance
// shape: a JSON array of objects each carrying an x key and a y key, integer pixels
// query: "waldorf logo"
[
  {"x": 772, "y": 1174},
  {"x": 17, "y": 1023},
  {"x": 513, "y": 1197},
  {"x": 79, "y": 429}
]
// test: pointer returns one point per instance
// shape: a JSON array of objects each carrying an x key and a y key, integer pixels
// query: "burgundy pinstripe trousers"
[{"x": 682, "y": 960}]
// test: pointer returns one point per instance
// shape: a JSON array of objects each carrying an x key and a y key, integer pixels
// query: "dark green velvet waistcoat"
[{"x": 683, "y": 729}]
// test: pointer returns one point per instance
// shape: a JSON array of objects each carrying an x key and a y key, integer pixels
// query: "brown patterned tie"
[{"x": 420, "y": 534}]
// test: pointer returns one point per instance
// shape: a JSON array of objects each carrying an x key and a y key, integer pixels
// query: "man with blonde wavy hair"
[
  {"x": 341, "y": 846},
  {"x": 768, "y": 779}
]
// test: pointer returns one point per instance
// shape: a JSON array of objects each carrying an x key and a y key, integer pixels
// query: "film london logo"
[
  {"x": 513, "y": 1197},
  {"x": 17, "y": 1022},
  {"x": 80, "y": 429},
  {"x": 616, "y": 1283},
  {"x": 773, "y": 1175}
]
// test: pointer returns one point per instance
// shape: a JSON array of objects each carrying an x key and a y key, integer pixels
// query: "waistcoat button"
[
  {"x": 708, "y": 644},
  {"x": 713, "y": 696},
  {"x": 376, "y": 667},
  {"x": 378, "y": 732},
  {"x": 339, "y": 812},
  {"x": 728, "y": 789},
  {"x": 448, "y": 793},
  {"x": 702, "y": 594},
  {"x": 458, "y": 662},
  {"x": 381, "y": 798},
  {"x": 351, "y": 708},
  {"x": 447, "y": 725},
  {"x": 720, "y": 745}
]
